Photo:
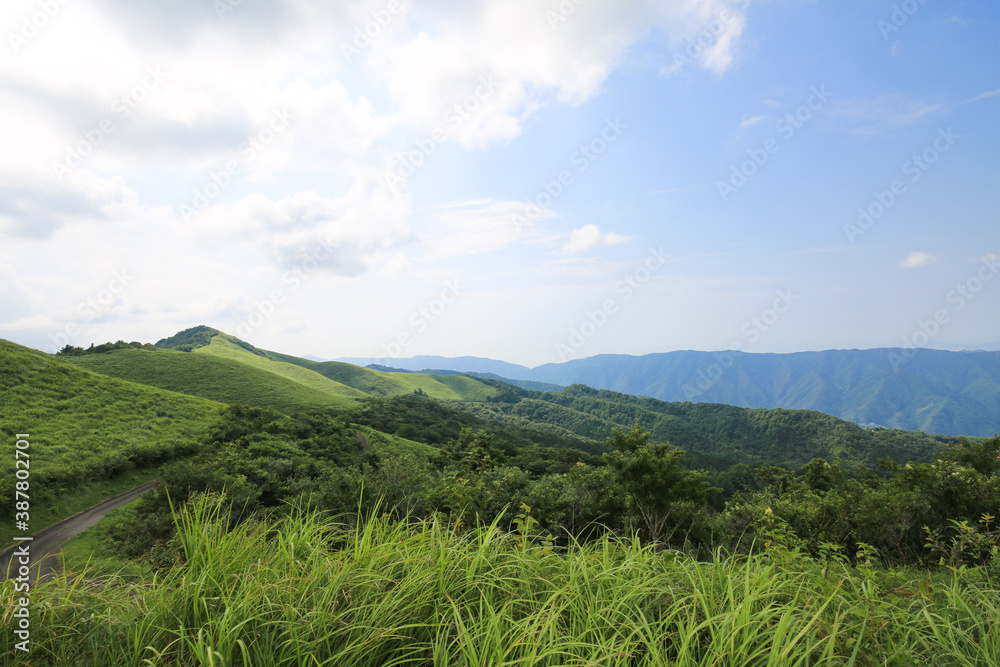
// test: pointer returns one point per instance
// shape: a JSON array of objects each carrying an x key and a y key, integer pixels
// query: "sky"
[{"x": 526, "y": 180}]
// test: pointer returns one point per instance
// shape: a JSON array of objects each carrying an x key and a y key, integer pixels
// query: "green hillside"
[
  {"x": 86, "y": 431},
  {"x": 380, "y": 383},
  {"x": 217, "y": 372},
  {"x": 934, "y": 391},
  {"x": 714, "y": 434},
  {"x": 343, "y": 381}
]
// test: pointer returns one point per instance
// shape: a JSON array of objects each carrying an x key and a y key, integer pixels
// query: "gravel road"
[{"x": 44, "y": 548}]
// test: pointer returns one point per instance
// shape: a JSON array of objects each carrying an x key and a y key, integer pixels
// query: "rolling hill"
[
  {"x": 86, "y": 430},
  {"x": 714, "y": 435},
  {"x": 934, "y": 391},
  {"x": 205, "y": 362}
]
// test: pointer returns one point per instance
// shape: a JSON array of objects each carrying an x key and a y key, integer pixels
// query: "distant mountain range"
[{"x": 935, "y": 391}]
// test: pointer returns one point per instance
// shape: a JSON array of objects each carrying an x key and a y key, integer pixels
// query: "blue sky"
[{"x": 528, "y": 181}]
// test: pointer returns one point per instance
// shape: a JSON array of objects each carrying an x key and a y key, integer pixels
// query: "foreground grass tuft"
[{"x": 309, "y": 591}]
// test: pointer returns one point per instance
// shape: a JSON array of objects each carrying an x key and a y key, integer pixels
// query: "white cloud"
[
  {"x": 530, "y": 56},
  {"x": 982, "y": 96},
  {"x": 589, "y": 237},
  {"x": 750, "y": 122},
  {"x": 318, "y": 180},
  {"x": 348, "y": 234},
  {"x": 868, "y": 116},
  {"x": 916, "y": 260},
  {"x": 467, "y": 228}
]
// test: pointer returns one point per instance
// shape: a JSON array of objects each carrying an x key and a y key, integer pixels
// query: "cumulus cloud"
[
  {"x": 589, "y": 237},
  {"x": 533, "y": 53},
  {"x": 916, "y": 260},
  {"x": 81, "y": 91},
  {"x": 347, "y": 234}
]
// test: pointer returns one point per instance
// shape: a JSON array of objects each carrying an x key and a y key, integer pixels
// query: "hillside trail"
[{"x": 44, "y": 548}]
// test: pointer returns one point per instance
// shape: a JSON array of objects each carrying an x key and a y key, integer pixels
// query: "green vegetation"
[
  {"x": 379, "y": 383},
  {"x": 720, "y": 435},
  {"x": 935, "y": 391},
  {"x": 526, "y": 527},
  {"x": 217, "y": 376},
  {"x": 204, "y": 362},
  {"x": 87, "y": 432},
  {"x": 307, "y": 590}
]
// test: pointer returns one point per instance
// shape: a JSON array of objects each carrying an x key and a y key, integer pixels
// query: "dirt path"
[{"x": 44, "y": 548}]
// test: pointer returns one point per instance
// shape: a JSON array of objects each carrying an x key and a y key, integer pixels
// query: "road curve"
[{"x": 44, "y": 548}]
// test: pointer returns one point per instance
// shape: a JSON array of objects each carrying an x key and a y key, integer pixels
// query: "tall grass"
[{"x": 307, "y": 591}]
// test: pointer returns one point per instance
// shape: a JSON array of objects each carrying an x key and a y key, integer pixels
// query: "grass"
[
  {"x": 381, "y": 383},
  {"x": 226, "y": 372},
  {"x": 219, "y": 378},
  {"x": 88, "y": 552},
  {"x": 309, "y": 591},
  {"x": 88, "y": 433}
]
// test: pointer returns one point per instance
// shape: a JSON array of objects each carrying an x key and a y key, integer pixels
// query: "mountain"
[{"x": 935, "y": 391}]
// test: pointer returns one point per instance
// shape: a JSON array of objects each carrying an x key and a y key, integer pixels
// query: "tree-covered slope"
[
  {"x": 724, "y": 434},
  {"x": 934, "y": 391}
]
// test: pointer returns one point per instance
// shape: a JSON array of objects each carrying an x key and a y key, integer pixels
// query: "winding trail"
[{"x": 44, "y": 548}]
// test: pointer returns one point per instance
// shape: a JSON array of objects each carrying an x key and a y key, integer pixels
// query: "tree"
[
  {"x": 471, "y": 452},
  {"x": 983, "y": 456},
  {"x": 653, "y": 478}
]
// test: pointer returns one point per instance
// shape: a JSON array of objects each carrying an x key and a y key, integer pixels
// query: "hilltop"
[{"x": 205, "y": 362}]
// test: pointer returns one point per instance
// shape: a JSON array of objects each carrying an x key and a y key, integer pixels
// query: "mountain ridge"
[{"x": 935, "y": 391}]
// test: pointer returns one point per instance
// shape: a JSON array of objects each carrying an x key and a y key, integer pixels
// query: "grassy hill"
[
  {"x": 449, "y": 387},
  {"x": 202, "y": 361},
  {"x": 88, "y": 432},
  {"x": 218, "y": 375}
]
